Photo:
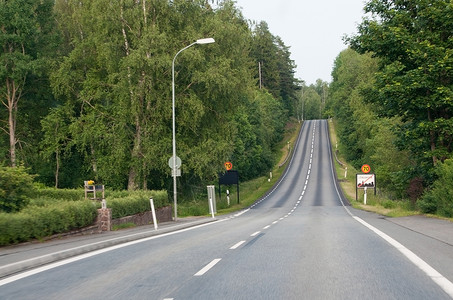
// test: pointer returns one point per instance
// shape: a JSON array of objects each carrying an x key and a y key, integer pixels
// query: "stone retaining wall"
[{"x": 163, "y": 214}]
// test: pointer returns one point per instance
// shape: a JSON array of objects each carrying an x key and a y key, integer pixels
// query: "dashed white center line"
[
  {"x": 255, "y": 233},
  {"x": 237, "y": 245},
  {"x": 266, "y": 227},
  {"x": 208, "y": 267}
]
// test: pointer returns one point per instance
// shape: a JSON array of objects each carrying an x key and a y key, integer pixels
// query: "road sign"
[
  {"x": 366, "y": 181},
  {"x": 228, "y": 165},
  {"x": 171, "y": 163},
  {"x": 366, "y": 169},
  {"x": 177, "y": 174}
]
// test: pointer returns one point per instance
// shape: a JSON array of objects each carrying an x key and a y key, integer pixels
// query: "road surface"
[{"x": 300, "y": 242}]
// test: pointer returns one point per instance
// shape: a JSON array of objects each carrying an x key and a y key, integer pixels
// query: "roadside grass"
[
  {"x": 375, "y": 203},
  {"x": 249, "y": 191},
  {"x": 123, "y": 226}
]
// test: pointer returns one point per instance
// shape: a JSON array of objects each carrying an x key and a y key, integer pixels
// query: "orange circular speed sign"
[
  {"x": 366, "y": 169},
  {"x": 228, "y": 165}
]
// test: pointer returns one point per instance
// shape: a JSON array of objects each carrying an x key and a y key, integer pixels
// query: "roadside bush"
[
  {"x": 16, "y": 188},
  {"x": 136, "y": 202},
  {"x": 439, "y": 199},
  {"x": 59, "y": 194},
  {"x": 39, "y": 222}
]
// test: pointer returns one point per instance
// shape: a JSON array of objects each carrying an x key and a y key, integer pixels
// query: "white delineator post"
[
  {"x": 364, "y": 197},
  {"x": 153, "y": 211}
]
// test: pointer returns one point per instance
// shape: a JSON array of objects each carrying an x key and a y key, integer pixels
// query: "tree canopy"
[
  {"x": 414, "y": 43},
  {"x": 106, "y": 111}
]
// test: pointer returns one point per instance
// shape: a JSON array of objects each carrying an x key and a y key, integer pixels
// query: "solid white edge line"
[
  {"x": 237, "y": 245},
  {"x": 100, "y": 251},
  {"x": 438, "y": 278},
  {"x": 207, "y": 267}
]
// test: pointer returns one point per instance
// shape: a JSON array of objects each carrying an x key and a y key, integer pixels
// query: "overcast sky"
[{"x": 313, "y": 29}]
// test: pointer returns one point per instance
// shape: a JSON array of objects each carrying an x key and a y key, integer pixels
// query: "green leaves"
[
  {"x": 414, "y": 43},
  {"x": 16, "y": 188}
]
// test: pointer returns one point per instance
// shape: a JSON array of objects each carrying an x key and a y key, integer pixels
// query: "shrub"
[
  {"x": 39, "y": 222},
  {"x": 440, "y": 198},
  {"x": 136, "y": 202},
  {"x": 16, "y": 188},
  {"x": 60, "y": 194}
]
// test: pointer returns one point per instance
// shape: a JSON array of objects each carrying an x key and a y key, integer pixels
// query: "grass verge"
[{"x": 374, "y": 203}]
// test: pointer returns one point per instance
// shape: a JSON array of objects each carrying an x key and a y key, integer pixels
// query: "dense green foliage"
[
  {"x": 103, "y": 111},
  {"x": 438, "y": 200},
  {"x": 37, "y": 222},
  {"x": 28, "y": 44},
  {"x": 54, "y": 211},
  {"x": 414, "y": 43},
  {"x": 135, "y": 202},
  {"x": 16, "y": 188},
  {"x": 393, "y": 101}
]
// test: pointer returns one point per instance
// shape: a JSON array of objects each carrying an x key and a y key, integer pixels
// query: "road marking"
[
  {"x": 97, "y": 252},
  {"x": 237, "y": 245},
  {"x": 207, "y": 267},
  {"x": 242, "y": 212},
  {"x": 266, "y": 227},
  {"x": 255, "y": 233},
  {"x": 438, "y": 278},
  {"x": 275, "y": 222}
]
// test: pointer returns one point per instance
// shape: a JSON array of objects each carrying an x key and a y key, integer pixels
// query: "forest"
[
  {"x": 86, "y": 91},
  {"x": 392, "y": 96},
  {"x": 86, "y": 94}
]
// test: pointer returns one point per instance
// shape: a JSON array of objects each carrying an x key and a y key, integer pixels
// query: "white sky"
[{"x": 313, "y": 29}]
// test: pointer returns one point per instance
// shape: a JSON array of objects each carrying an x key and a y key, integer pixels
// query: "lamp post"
[{"x": 199, "y": 42}]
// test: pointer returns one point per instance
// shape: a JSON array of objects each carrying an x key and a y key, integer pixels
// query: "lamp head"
[{"x": 205, "y": 41}]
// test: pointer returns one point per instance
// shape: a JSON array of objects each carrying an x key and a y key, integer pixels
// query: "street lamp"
[{"x": 199, "y": 42}]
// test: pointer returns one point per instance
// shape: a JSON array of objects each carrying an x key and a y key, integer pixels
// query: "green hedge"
[
  {"x": 60, "y": 194},
  {"x": 135, "y": 202},
  {"x": 57, "y": 211},
  {"x": 39, "y": 222}
]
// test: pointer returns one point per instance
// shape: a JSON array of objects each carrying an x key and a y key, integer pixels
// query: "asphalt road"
[{"x": 300, "y": 242}]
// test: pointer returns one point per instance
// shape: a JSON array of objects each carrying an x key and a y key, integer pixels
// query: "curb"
[{"x": 35, "y": 262}]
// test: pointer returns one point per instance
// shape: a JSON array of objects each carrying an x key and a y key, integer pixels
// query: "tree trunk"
[
  {"x": 432, "y": 138},
  {"x": 12, "y": 97},
  {"x": 57, "y": 168}
]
